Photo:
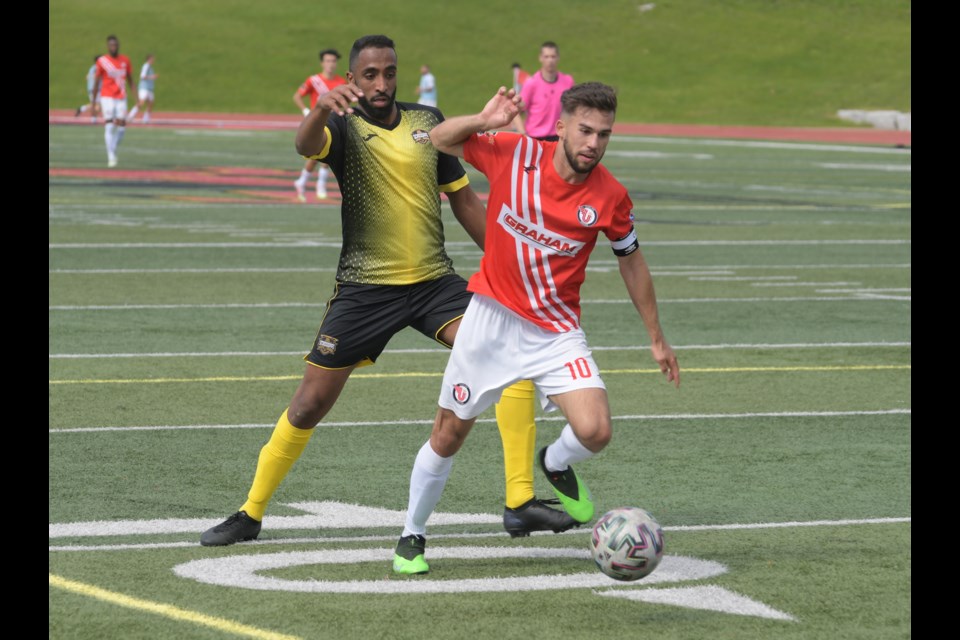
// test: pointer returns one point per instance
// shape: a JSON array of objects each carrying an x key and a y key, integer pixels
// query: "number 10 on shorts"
[{"x": 579, "y": 368}]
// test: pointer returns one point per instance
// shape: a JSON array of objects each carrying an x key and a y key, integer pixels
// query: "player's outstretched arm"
[
  {"x": 311, "y": 136},
  {"x": 636, "y": 275},
  {"x": 449, "y": 135}
]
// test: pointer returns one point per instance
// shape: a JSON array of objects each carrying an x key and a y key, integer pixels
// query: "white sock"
[
  {"x": 302, "y": 180},
  {"x": 427, "y": 480},
  {"x": 146, "y": 116},
  {"x": 322, "y": 176},
  {"x": 108, "y": 137},
  {"x": 118, "y": 137},
  {"x": 132, "y": 114},
  {"x": 565, "y": 451}
]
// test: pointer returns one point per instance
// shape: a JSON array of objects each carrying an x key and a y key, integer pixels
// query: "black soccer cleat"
[
  {"x": 237, "y": 528},
  {"x": 535, "y": 515}
]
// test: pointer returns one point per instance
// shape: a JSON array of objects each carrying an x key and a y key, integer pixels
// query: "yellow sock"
[
  {"x": 276, "y": 457},
  {"x": 518, "y": 431}
]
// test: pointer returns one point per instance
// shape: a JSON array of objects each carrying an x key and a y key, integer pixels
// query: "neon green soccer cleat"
[
  {"x": 408, "y": 558},
  {"x": 571, "y": 491}
]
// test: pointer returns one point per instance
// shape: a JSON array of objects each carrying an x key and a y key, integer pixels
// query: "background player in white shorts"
[
  {"x": 145, "y": 89},
  {"x": 549, "y": 202},
  {"x": 93, "y": 106}
]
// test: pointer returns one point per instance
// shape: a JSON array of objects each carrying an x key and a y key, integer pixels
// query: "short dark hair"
[
  {"x": 112, "y": 37},
  {"x": 592, "y": 95},
  {"x": 332, "y": 52},
  {"x": 515, "y": 65},
  {"x": 550, "y": 44},
  {"x": 370, "y": 42}
]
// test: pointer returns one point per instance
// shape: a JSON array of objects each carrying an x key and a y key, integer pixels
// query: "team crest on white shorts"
[
  {"x": 461, "y": 393},
  {"x": 326, "y": 344},
  {"x": 587, "y": 215}
]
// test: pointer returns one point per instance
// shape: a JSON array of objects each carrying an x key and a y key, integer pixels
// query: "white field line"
[
  {"x": 205, "y": 354},
  {"x": 868, "y": 167},
  {"x": 856, "y": 297},
  {"x": 865, "y": 290},
  {"x": 805, "y": 284},
  {"x": 657, "y": 155},
  {"x": 337, "y": 244},
  {"x": 442, "y": 536},
  {"x": 706, "y": 272},
  {"x": 679, "y": 270},
  {"x": 383, "y": 423},
  {"x": 226, "y": 270},
  {"x": 740, "y": 278},
  {"x": 754, "y": 267},
  {"x": 707, "y": 142}
]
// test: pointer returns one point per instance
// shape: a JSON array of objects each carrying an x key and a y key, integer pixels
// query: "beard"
[
  {"x": 379, "y": 113},
  {"x": 574, "y": 162}
]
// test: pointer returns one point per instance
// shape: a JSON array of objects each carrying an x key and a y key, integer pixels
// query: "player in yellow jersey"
[{"x": 393, "y": 273}]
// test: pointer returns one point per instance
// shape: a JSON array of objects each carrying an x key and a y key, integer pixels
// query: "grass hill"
[{"x": 758, "y": 62}]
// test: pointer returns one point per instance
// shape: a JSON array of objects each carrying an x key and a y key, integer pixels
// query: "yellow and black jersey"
[{"x": 390, "y": 178}]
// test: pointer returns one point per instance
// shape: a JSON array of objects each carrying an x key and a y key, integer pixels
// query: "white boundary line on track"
[
  {"x": 796, "y": 345},
  {"x": 713, "y": 142},
  {"x": 679, "y": 416}
]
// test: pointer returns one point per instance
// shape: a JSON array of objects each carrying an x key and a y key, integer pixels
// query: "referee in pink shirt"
[{"x": 541, "y": 96}]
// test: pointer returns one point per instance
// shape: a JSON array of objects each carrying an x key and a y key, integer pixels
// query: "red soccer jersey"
[
  {"x": 540, "y": 228},
  {"x": 316, "y": 85},
  {"x": 113, "y": 72}
]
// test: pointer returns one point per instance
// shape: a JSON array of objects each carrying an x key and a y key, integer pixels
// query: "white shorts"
[
  {"x": 144, "y": 95},
  {"x": 113, "y": 108},
  {"x": 495, "y": 348},
  {"x": 428, "y": 102}
]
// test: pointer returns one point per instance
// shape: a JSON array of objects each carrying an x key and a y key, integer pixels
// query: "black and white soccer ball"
[{"x": 627, "y": 543}]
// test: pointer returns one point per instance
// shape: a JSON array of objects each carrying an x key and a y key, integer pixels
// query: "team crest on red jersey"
[
  {"x": 461, "y": 393},
  {"x": 420, "y": 136},
  {"x": 587, "y": 215},
  {"x": 489, "y": 135}
]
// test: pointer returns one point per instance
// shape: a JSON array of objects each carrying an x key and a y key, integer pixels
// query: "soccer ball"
[{"x": 627, "y": 543}]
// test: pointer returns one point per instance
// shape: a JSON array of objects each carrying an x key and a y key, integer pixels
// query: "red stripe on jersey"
[
  {"x": 316, "y": 85},
  {"x": 536, "y": 274},
  {"x": 114, "y": 72}
]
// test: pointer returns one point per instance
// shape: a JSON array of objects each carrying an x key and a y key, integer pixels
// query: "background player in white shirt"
[{"x": 145, "y": 90}]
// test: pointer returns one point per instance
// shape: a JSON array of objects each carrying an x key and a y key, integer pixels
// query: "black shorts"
[{"x": 361, "y": 318}]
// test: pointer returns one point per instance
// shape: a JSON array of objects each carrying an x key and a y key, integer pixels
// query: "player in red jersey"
[
  {"x": 315, "y": 86},
  {"x": 548, "y": 204},
  {"x": 113, "y": 76}
]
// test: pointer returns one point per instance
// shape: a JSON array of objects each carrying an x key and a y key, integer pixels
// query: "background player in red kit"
[
  {"x": 548, "y": 204},
  {"x": 113, "y": 76},
  {"x": 315, "y": 86}
]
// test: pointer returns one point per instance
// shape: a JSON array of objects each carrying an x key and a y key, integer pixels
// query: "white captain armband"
[{"x": 625, "y": 245}]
